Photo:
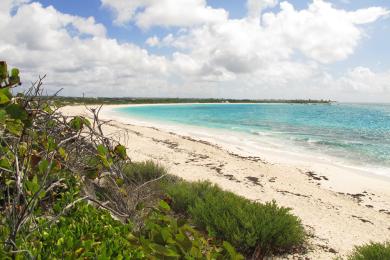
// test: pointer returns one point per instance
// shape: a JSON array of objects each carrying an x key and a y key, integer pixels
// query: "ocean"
[{"x": 355, "y": 135}]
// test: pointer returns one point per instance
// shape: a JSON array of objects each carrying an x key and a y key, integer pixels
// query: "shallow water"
[{"x": 357, "y": 134}]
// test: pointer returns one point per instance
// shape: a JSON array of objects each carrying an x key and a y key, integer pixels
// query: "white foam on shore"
[{"x": 244, "y": 144}]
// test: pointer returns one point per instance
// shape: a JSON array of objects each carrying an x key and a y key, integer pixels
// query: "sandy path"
[{"x": 336, "y": 221}]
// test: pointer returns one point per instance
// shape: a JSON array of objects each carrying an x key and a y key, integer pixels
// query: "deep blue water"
[{"x": 358, "y": 133}]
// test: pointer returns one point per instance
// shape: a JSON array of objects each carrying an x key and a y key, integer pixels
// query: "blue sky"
[{"x": 196, "y": 48}]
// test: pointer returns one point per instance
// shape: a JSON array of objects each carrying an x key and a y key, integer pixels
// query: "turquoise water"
[{"x": 356, "y": 133}]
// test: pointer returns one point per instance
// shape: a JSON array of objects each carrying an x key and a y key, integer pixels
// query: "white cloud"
[
  {"x": 364, "y": 80},
  {"x": 239, "y": 46},
  {"x": 368, "y": 15},
  {"x": 46, "y": 28},
  {"x": 166, "y": 13},
  {"x": 236, "y": 46},
  {"x": 74, "y": 52},
  {"x": 321, "y": 32},
  {"x": 256, "y": 6},
  {"x": 280, "y": 54}
]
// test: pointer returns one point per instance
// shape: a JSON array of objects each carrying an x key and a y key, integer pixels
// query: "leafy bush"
[
  {"x": 85, "y": 232},
  {"x": 90, "y": 233},
  {"x": 251, "y": 227},
  {"x": 371, "y": 251}
]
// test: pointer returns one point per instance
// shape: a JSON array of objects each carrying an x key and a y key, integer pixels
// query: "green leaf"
[
  {"x": 3, "y": 98},
  {"x": 42, "y": 166},
  {"x": 106, "y": 162},
  {"x": 166, "y": 234},
  {"x": 60, "y": 241},
  {"x": 119, "y": 182},
  {"x": 14, "y": 127},
  {"x": 63, "y": 153},
  {"x": 86, "y": 121},
  {"x": 9, "y": 182},
  {"x": 33, "y": 185},
  {"x": 102, "y": 150},
  {"x": 47, "y": 108},
  {"x": 51, "y": 144},
  {"x": 14, "y": 72},
  {"x": 131, "y": 238},
  {"x": 164, "y": 206},
  {"x": 76, "y": 123},
  {"x": 103, "y": 155},
  {"x": 4, "y": 163},
  {"x": 120, "y": 150},
  {"x": 16, "y": 112},
  {"x": 42, "y": 194},
  {"x": 6, "y": 92}
]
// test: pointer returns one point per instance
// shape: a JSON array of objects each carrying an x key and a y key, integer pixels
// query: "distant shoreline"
[
  {"x": 265, "y": 150},
  {"x": 129, "y": 101}
]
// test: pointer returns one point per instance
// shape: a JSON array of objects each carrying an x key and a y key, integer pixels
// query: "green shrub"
[
  {"x": 371, "y": 251},
  {"x": 141, "y": 172},
  {"x": 185, "y": 194},
  {"x": 167, "y": 237},
  {"x": 247, "y": 225},
  {"x": 90, "y": 233},
  {"x": 85, "y": 233}
]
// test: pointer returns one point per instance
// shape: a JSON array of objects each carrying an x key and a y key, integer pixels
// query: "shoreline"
[
  {"x": 339, "y": 210},
  {"x": 269, "y": 150}
]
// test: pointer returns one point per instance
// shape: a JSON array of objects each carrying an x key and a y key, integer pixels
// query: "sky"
[{"x": 258, "y": 49}]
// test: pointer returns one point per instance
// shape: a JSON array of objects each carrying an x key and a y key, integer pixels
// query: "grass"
[
  {"x": 249, "y": 226},
  {"x": 371, "y": 251}
]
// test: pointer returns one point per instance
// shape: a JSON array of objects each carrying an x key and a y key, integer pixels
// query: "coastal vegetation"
[
  {"x": 69, "y": 191},
  {"x": 264, "y": 229},
  {"x": 371, "y": 251}
]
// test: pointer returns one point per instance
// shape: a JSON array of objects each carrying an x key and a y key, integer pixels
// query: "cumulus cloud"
[
  {"x": 228, "y": 49},
  {"x": 236, "y": 46},
  {"x": 274, "y": 54},
  {"x": 166, "y": 13},
  {"x": 321, "y": 32},
  {"x": 73, "y": 51}
]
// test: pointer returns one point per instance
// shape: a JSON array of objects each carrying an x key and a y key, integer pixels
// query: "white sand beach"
[{"x": 339, "y": 207}]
